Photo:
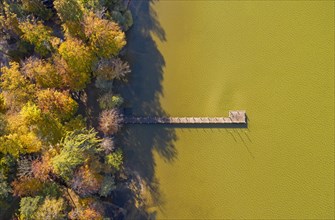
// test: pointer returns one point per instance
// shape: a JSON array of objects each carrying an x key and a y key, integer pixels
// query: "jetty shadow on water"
[{"x": 142, "y": 96}]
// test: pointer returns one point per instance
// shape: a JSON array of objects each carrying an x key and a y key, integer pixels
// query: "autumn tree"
[
  {"x": 39, "y": 35},
  {"x": 42, "y": 72},
  {"x": 21, "y": 137},
  {"x": 52, "y": 208},
  {"x": 85, "y": 181},
  {"x": 57, "y": 166},
  {"x": 107, "y": 144},
  {"x": 37, "y": 8},
  {"x": 75, "y": 62},
  {"x": 58, "y": 104},
  {"x": 71, "y": 14},
  {"x": 16, "y": 88},
  {"x": 86, "y": 214},
  {"x": 105, "y": 37},
  {"x": 9, "y": 23},
  {"x": 76, "y": 54},
  {"x": 27, "y": 186},
  {"x": 41, "y": 168}
]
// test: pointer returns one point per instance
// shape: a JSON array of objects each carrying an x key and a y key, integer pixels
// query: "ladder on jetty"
[{"x": 235, "y": 117}]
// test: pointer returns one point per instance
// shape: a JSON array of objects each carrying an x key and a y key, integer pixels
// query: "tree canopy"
[{"x": 53, "y": 162}]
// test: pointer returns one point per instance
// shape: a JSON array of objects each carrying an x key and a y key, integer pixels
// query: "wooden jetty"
[{"x": 235, "y": 117}]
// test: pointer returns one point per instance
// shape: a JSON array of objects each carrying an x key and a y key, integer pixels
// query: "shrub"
[
  {"x": 107, "y": 144},
  {"x": 103, "y": 84},
  {"x": 107, "y": 186},
  {"x": 115, "y": 159},
  {"x": 113, "y": 68},
  {"x": 109, "y": 121},
  {"x": 110, "y": 101}
]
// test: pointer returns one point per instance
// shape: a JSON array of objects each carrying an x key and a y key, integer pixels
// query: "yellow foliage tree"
[
  {"x": 39, "y": 35},
  {"x": 75, "y": 63},
  {"x": 22, "y": 137},
  {"x": 16, "y": 88},
  {"x": 52, "y": 209},
  {"x": 43, "y": 73},
  {"x": 9, "y": 23},
  {"x": 71, "y": 14},
  {"x": 105, "y": 37},
  {"x": 37, "y": 7}
]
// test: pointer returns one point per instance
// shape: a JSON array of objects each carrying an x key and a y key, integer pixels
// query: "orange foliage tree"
[{"x": 58, "y": 104}]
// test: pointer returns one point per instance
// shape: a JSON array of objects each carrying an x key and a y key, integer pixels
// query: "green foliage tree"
[
  {"x": 76, "y": 123},
  {"x": 103, "y": 84},
  {"x": 29, "y": 206},
  {"x": 4, "y": 187},
  {"x": 67, "y": 161},
  {"x": 94, "y": 5},
  {"x": 124, "y": 18},
  {"x": 76, "y": 146}
]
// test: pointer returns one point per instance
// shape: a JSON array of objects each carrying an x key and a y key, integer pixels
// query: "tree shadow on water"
[{"x": 142, "y": 96}]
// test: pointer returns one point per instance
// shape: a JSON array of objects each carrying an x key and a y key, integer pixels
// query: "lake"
[{"x": 203, "y": 58}]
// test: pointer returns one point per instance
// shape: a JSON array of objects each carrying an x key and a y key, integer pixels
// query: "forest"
[{"x": 58, "y": 155}]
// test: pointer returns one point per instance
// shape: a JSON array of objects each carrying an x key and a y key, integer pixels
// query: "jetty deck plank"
[{"x": 235, "y": 117}]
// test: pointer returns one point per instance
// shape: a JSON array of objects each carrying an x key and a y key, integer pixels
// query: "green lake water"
[{"x": 203, "y": 58}]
